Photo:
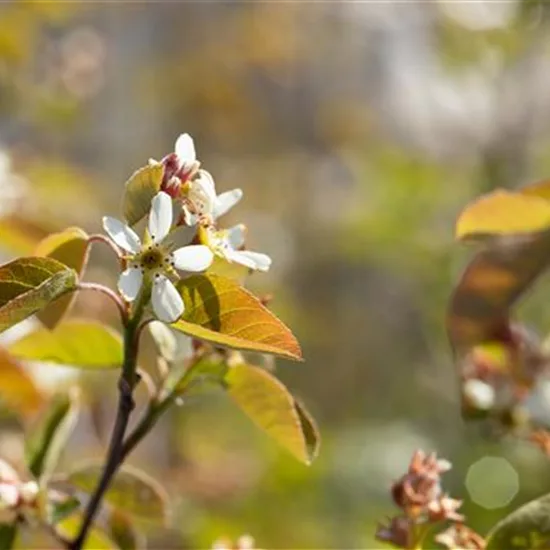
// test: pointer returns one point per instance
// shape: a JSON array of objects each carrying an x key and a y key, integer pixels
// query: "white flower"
[
  {"x": 202, "y": 202},
  {"x": 226, "y": 244},
  {"x": 156, "y": 262}
]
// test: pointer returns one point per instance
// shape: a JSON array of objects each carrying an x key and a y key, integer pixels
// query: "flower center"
[{"x": 152, "y": 258}]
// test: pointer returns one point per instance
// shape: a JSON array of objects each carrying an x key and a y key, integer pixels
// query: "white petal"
[
  {"x": 164, "y": 339},
  {"x": 254, "y": 260},
  {"x": 196, "y": 257},
  {"x": 167, "y": 302},
  {"x": 203, "y": 193},
  {"x": 185, "y": 150},
  {"x": 129, "y": 283},
  {"x": 123, "y": 235},
  {"x": 236, "y": 235},
  {"x": 226, "y": 201},
  {"x": 190, "y": 219},
  {"x": 160, "y": 217}
]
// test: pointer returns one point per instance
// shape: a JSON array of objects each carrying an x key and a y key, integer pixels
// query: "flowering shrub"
[{"x": 180, "y": 279}]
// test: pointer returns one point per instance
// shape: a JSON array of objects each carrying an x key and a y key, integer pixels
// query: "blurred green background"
[{"x": 357, "y": 132}]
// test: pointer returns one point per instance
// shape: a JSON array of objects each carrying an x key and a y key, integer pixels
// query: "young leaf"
[
  {"x": 269, "y": 404},
  {"x": 491, "y": 283},
  {"x": 504, "y": 213},
  {"x": 96, "y": 539},
  {"x": 132, "y": 491},
  {"x": 45, "y": 442},
  {"x": 527, "y": 528},
  {"x": 17, "y": 389},
  {"x": 140, "y": 189},
  {"x": 27, "y": 285},
  {"x": 80, "y": 343},
  {"x": 219, "y": 311},
  {"x": 69, "y": 247}
]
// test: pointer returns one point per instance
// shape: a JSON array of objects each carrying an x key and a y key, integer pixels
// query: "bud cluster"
[{"x": 423, "y": 503}]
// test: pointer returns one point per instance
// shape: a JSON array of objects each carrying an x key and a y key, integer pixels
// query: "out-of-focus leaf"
[
  {"x": 70, "y": 248},
  {"x": 20, "y": 236},
  {"x": 504, "y": 213},
  {"x": 46, "y": 440},
  {"x": 27, "y": 285},
  {"x": 96, "y": 540},
  {"x": 269, "y": 404},
  {"x": 527, "y": 528},
  {"x": 132, "y": 491},
  {"x": 77, "y": 342},
  {"x": 124, "y": 533},
  {"x": 497, "y": 276},
  {"x": 492, "y": 282},
  {"x": 309, "y": 429},
  {"x": 219, "y": 311},
  {"x": 140, "y": 189},
  {"x": 60, "y": 506},
  {"x": 17, "y": 389},
  {"x": 210, "y": 369},
  {"x": 8, "y": 533}
]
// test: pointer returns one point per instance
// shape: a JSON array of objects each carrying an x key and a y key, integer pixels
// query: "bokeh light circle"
[{"x": 492, "y": 482}]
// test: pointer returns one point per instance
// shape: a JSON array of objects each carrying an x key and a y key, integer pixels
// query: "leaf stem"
[
  {"x": 99, "y": 238},
  {"x": 107, "y": 292},
  {"x": 115, "y": 456}
]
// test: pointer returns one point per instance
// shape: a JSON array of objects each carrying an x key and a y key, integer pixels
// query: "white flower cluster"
[
  {"x": 203, "y": 206},
  {"x": 153, "y": 262}
]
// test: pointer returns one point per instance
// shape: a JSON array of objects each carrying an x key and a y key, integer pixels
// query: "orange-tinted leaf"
[
  {"x": 70, "y": 248},
  {"x": 270, "y": 405},
  {"x": 27, "y": 285},
  {"x": 17, "y": 389},
  {"x": 220, "y": 311},
  {"x": 490, "y": 285},
  {"x": 504, "y": 213}
]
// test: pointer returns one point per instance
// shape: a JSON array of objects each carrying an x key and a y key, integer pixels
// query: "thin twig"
[
  {"x": 96, "y": 287},
  {"x": 126, "y": 404},
  {"x": 99, "y": 238}
]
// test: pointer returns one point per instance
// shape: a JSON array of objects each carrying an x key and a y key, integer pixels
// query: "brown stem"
[{"x": 115, "y": 455}]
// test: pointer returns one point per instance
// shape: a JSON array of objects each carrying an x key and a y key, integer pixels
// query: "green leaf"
[
  {"x": 219, "y": 311},
  {"x": 76, "y": 342},
  {"x": 309, "y": 429},
  {"x": 96, "y": 540},
  {"x": 27, "y": 285},
  {"x": 70, "y": 247},
  {"x": 132, "y": 491},
  {"x": 270, "y": 405},
  {"x": 140, "y": 189},
  {"x": 17, "y": 389},
  {"x": 60, "y": 506},
  {"x": 527, "y": 528},
  {"x": 504, "y": 213},
  {"x": 124, "y": 533},
  {"x": 45, "y": 442},
  {"x": 8, "y": 533}
]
